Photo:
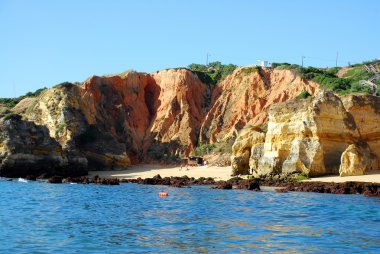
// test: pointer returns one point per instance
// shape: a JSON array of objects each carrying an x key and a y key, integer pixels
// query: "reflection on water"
[{"x": 133, "y": 218}]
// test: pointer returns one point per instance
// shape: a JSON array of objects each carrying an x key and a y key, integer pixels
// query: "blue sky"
[{"x": 43, "y": 43}]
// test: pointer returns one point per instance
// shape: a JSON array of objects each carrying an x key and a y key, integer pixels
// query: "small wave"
[{"x": 22, "y": 180}]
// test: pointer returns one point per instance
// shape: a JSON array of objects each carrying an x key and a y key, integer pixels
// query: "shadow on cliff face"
[
  {"x": 29, "y": 150},
  {"x": 168, "y": 152}
]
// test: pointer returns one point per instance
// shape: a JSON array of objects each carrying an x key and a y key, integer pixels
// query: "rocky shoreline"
[{"x": 254, "y": 184}]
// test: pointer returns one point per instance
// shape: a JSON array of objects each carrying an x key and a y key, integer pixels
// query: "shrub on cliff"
[
  {"x": 212, "y": 73},
  {"x": 203, "y": 149},
  {"x": 303, "y": 95},
  {"x": 11, "y": 102}
]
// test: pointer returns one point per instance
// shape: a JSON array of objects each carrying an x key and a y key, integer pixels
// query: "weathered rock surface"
[
  {"x": 316, "y": 136},
  {"x": 114, "y": 121},
  {"x": 357, "y": 159},
  {"x": 244, "y": 98},
  {"x": 70, "y": 115},
  {"x": 117, "y": 120},
  {"x": 365, "y": 110},
  {"x": 366, "y": 189},
  {"x": 247, "y": 150},
  {"x": 27, "y": 149}
]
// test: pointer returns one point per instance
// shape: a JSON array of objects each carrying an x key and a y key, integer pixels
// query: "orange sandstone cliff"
[
  {"x": 114, "y": 121},
  {"x": 245, "y": 96}
]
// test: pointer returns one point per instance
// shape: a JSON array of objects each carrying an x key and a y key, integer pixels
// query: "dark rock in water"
[
  {"x": 55, "y": 179},
  {"x": 150, "y": 181},
  {"x": 82, "y": 180},
  {"x": 94, "y": 178},
  {"x": 43, "y": 176},
  {"x": 222, "y": 185},
  {"x": 157, "y": 177},
  {"x": 235, "y": 180},
  {"x": 282, "y": 190},
  {"x": 176, "y": 185},
  {"x": 105, "y": 181},
  {"x": 204, "y": 181},
  {"x": 31, "y": 178},
  {"x": 165, "y": 181},
  {"x": 249, "y": 184},
  {"x": 177, "y": 182},
  {"x": 367, "y": 189}
]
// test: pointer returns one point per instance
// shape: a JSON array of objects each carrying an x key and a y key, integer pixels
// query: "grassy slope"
[{"x": 329, "y": 79}]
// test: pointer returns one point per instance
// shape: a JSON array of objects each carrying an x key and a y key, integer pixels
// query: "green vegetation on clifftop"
[
  {"x": 328, "y": 77},
  {"x": 212, "y": 73},
  {"x": 11, "y": 102}
]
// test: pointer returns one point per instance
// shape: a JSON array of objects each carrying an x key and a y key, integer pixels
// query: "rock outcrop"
[
  {"x": 316, "y": 136},
  {"x": 118, "y": 120},
  {"x": 27, "y": 149},
  {"x": 74, "y": 121},
  {"x": 365, "y": 110},
  {"x": 358, "y": 159},
  {"x": 111, "y": 122},
  {"x": 245, "y": 96},
  {"x": 247, "y": 150},
  {"x": 115, "y": 121}
]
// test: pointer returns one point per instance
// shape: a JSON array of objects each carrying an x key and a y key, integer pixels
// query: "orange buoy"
[{"x": 163, "y": 194}]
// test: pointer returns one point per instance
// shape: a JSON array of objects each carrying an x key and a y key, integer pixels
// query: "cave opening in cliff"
[{"x": 332, "y": 154}]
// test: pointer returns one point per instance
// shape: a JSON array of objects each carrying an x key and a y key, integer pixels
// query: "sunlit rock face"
[
  {"x": 245, "y": 96},
  {"x": 317, "y": 136}
]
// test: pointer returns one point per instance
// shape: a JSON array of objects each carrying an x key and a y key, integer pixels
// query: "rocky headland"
[
  {"x": 320, "y": 135},
  {"x": 111, "y": 122}
]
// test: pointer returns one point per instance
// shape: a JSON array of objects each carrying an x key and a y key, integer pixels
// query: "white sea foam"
[{"x": 22, "y": 180}]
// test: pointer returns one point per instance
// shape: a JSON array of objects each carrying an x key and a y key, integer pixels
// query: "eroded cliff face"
[
  {"x": 118, "y": 120},
  {"x": 318, "y": 136},
  {"x": 114, "y": 121},
  {"x": 247, "y": 150},
  {"x": 245, "y": 96},
  {"x": 365, "y": 110},
  {"x": 179, "y": 110},
  {"x": 27, "y": 149}
]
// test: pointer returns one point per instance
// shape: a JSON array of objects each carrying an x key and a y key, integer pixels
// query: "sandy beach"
[
  {"x": 371, "y": 177},
  {"x": 147, "y": 170},
  {"x": 219, "y": 173}
]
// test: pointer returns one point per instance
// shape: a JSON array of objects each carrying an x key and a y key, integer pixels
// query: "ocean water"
[{"x": 38, "y": 217}]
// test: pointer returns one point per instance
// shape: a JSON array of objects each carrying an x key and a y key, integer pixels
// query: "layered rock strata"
[
  {"x": 118, "y": 120},
  {"x": 315, "y": 136},
  {"x": 27, "y": 149},
  {"x": 114, "y": 121},
  {"x": 245, "y": 96}
]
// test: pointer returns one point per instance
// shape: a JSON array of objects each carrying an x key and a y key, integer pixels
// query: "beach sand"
[
  {"x": 147, "y": 171},
  {"x": 218, "y": 173},
  {"x": 372, "y": 177}
]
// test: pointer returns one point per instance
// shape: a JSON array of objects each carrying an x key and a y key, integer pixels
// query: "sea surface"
[{"x": 37, "y": 217}]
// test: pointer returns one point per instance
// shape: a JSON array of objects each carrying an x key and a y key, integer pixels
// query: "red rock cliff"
[
  {"x": 137, "y": 116},
  {"x": 245, "y": 96}
]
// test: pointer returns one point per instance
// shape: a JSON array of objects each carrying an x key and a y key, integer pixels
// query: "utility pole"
[
  {"x": 336, "y": 59},
  {"x": 207, "y": 55},
  {"x": 302, "y": 61}
]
